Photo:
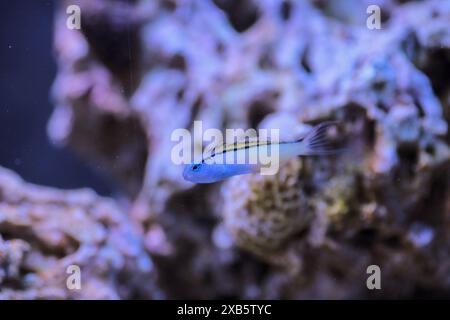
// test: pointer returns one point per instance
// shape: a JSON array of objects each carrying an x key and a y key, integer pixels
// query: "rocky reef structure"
[
  {"x": 45, "y": 231},
  {"x": 137, "y": 70}
]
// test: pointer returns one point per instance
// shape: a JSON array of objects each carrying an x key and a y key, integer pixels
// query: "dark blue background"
[{"x": 27, "y": 70}]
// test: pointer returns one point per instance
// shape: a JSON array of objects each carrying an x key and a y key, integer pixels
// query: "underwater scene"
[{"x": 225, "y": 149}]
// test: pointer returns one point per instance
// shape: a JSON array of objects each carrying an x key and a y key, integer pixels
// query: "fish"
[{"x": 210, "y": 169}]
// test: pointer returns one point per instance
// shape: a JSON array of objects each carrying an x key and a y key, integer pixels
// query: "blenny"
[{"x": 215, "y": 164}]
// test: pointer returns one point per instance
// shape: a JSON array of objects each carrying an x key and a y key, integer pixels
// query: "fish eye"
[{"x": 195, "y": 167}]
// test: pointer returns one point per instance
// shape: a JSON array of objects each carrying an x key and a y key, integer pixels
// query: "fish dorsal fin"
[
  {"x": 241, "y": 137},
  {"x": 210, "y": 148},
  {"x": 250, "y": 134}
]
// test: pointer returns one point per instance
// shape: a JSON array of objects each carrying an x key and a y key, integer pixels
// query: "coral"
[
  {"x": 44, "y": 231},
  {"x": 137, "y": 70},
  {"x": 91, "y": 101},
  {"x": 264, "y": 212}
]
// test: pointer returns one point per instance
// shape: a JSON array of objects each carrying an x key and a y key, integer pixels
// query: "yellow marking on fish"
[{"x": 238, "y": 145}]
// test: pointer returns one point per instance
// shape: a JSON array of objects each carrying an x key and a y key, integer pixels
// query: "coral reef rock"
[
  {"x": 263, "y": 212},
  {"x": 137, "y": 70},
  {"x": 45, "y": 232}
]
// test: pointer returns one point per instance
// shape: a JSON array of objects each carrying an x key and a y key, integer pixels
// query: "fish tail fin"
[{"x": 317, "y": 142}]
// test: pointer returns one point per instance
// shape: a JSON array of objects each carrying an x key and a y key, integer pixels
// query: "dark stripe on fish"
[{"x": 246, "y": 146}]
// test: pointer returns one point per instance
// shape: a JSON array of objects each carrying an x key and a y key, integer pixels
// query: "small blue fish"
[{"x": 315, "y": 143}]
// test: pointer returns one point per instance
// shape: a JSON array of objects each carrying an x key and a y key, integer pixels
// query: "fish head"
[{"x": 204, "y": 172}]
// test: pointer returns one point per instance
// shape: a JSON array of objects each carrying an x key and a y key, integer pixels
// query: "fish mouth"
[{"x": 185, "y": 174}]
